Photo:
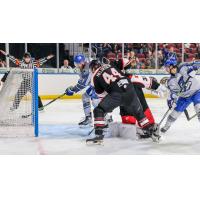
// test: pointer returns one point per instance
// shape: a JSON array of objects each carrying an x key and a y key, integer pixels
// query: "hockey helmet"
[
  {"x": 78, "y": 59},
  {"x": 94, "y": 65}
]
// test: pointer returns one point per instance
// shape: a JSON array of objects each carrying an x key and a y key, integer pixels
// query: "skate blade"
[{"x": 91, "y": 143}]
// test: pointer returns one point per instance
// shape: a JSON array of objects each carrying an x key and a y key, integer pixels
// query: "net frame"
[{"x": 18, "y": 127}]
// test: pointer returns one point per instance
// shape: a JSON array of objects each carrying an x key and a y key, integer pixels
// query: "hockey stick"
[
  {"x": 28, "y": 115},
  {"x": 53, "y": 100},
  {"x": 192, "y": 117},
  {"x": 91, "y": 131},
  {"x": 187, "y": 115},
  {"x": 164, "y": 116}
]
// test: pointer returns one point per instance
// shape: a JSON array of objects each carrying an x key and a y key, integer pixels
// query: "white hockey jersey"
[{"x": 183, "y": 84}]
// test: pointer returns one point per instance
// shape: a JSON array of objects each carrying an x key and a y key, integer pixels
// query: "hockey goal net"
[{"x": 19, "y": 104}]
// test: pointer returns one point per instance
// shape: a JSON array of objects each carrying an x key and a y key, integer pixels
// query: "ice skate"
[
  {"x": 98, "y": 139},
  {"x": 86, "y": 122}
]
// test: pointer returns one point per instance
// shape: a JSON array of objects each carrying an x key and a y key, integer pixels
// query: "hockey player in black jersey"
[{"x": 116, "y": 90}]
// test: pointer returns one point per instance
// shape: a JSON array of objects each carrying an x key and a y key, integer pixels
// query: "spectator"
[
  {"x": 66, "y": 66},
  {"x": 187, "y": 45},
  {"x": 107, "y": 48},
  {"x": 185, "y": 55},
  {"x": 198, "y": 50},
  {"x": 152, "y": 61},
  {"x": 135, "y": 64},
  {"x": 160, "y": 59},
  {"x": 169, "y": 54},
  {"x": 131, "y": 55}
]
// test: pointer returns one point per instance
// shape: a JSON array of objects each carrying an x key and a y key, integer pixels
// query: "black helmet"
[
  {"x": 27, "y": 54},
  {"x": 94, "y": 65}
]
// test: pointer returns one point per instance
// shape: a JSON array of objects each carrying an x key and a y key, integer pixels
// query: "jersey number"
[
  {"x": 187, "y": 86},
  {"x": 111, "y": 77}
]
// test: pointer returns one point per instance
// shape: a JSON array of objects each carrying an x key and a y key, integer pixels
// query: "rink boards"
[{"x": 52, "y": 85}]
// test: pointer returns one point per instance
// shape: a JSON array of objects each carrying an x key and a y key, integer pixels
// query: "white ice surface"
[{"x": 59, "y": 134}]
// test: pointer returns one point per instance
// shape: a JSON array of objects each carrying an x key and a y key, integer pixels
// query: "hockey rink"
[{"x": 60, "y": 134}]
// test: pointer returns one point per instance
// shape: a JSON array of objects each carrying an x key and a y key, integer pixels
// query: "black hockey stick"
[
  {"x": 28, "y": 115},
  {"x": 91, "y": 131},
  {"x": 53, "y": 100},
  {"x": 187, "y": 115},
  {"x": 193, "y": 116}
]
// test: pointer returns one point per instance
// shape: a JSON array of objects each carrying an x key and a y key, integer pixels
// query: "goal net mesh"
[{"x": 17, "y": 104}]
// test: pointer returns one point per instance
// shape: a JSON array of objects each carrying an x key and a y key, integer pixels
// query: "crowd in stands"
[{"x": 143, "y": 55}]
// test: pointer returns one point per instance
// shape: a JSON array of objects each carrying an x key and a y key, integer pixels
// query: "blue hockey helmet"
[{"x": 78, "y": 59}]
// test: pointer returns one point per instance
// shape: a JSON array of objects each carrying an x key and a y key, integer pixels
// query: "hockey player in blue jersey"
[
  {"x": 84, "y": 82},
  {"x": 184, "y": 89}
]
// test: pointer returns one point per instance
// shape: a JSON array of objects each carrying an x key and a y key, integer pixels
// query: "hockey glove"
[
  {"x": 160, "y": 91},
  {"x": 69, "y": 91}
]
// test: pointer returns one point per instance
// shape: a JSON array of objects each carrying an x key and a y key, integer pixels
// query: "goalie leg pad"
[
  {"x": 127, "y": 131},
  {"x": 149, "y": 116}
]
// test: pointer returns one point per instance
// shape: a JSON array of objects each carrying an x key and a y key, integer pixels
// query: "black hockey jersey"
[{"x": 109, "y": 79}]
